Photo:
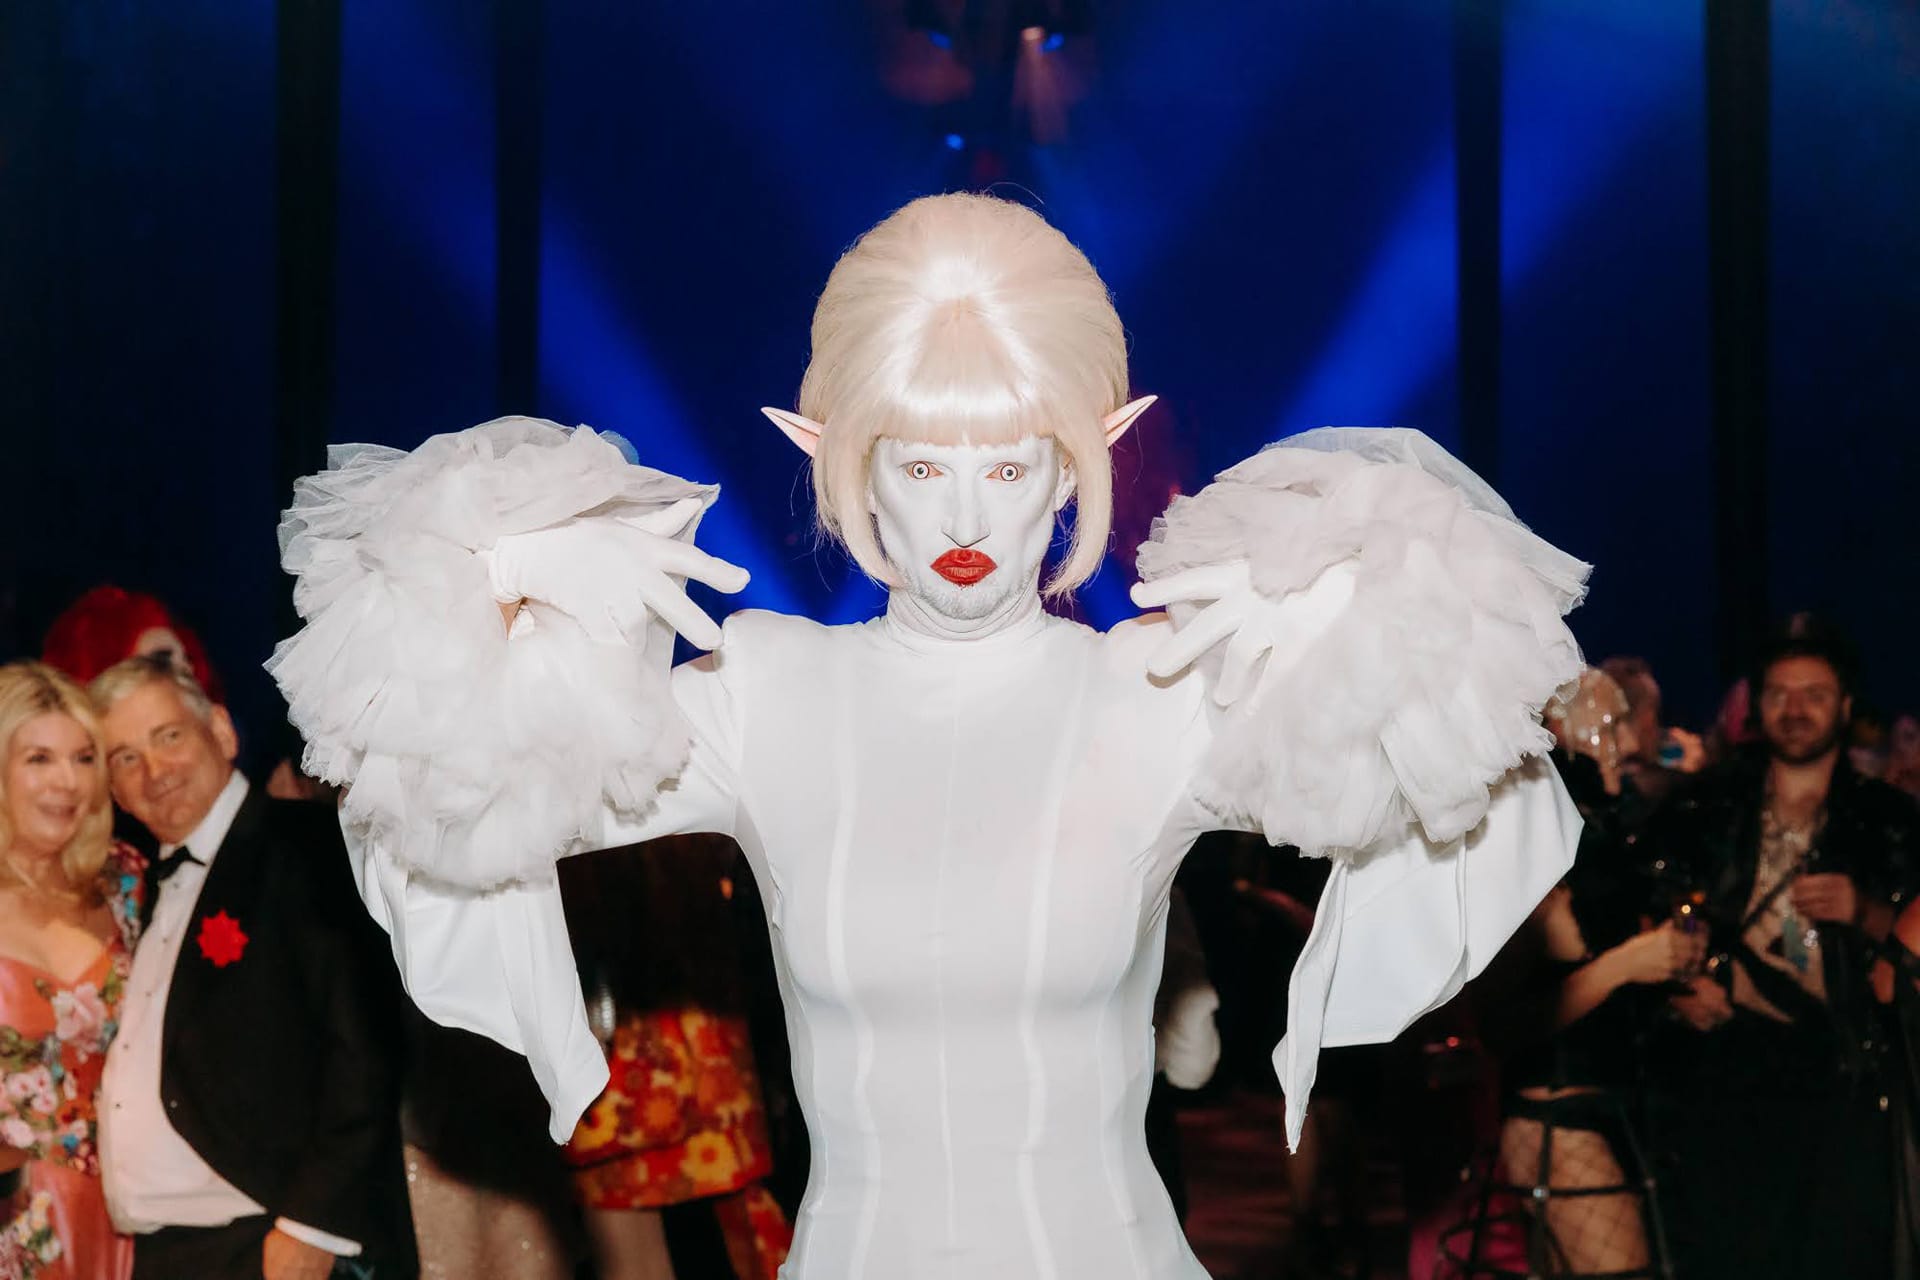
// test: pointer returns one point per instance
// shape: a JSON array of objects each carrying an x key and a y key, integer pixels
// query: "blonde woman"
[
  {"x": 965, "y": 815},
  {"x": 69, "y": 909}
]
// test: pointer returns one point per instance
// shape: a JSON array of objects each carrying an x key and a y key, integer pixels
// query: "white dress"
[{"x": 965, "y": 850}]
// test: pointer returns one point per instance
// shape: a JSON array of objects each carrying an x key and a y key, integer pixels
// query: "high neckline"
[{"x": 914, "y": 626}]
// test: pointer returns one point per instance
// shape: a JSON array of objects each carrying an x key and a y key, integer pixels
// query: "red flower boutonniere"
[{"x": 221, "y": 940}]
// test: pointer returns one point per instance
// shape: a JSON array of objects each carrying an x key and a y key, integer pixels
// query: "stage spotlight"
[
  {"x": 955, "y": 142},
  {"x": 1054, "y": 19},
  {"x": 1047, "y": 40},
  {"x": 936, "y": 19}
]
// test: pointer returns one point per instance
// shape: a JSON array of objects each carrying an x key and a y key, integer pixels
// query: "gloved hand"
[
  {"x": 1252, "y": 625},
  {"x": 610, "y": 573}
]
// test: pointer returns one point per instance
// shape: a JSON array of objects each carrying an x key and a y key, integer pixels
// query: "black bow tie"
[{"x": 172, "y": 863}]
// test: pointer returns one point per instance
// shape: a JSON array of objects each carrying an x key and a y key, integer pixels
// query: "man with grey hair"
[{"x": 249, "y": 1114}]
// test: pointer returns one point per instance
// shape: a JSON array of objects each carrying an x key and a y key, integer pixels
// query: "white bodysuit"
[
  {"x": 965, "y": 847},
  {"x": 971, "y": 1010}
]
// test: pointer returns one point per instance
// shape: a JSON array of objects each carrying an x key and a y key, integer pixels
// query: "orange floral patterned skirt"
[{"x": 681, "y": 1119}]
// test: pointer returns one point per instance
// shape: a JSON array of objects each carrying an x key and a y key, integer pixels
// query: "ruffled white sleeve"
[
  {"x": 1401, "y": 928},
  {"x": 1388, "y": 633},
  {"x": 474, "y": 760},
  {"x": 499, "y": 962}
]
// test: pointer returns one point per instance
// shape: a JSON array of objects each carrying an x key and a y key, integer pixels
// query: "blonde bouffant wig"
[{"x": 963, "y": 320}]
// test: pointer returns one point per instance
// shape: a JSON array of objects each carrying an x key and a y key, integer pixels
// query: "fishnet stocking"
[{"x": 1584, "y": 1235}]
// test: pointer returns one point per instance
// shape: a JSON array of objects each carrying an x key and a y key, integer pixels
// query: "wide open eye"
[
  {"x": 1008, "y": 471},
  {"x": 920, "y": 470}
]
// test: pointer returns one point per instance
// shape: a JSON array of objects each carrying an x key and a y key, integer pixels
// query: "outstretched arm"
[
  {"x": 1401, "y": 928},
  {"x": 474, "y": 756},
  {"x": 1378, "y": 635},
  {"x": 499, "y": 962},
  {"x": 474, "y": 753}
]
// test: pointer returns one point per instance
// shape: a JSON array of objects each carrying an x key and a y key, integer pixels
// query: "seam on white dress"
[
  {"x": 842, "y": 982},
  {"x": 1111, "y": 1058},
  {"x": 940, "y": 996},
  {"x": 1037, "y": 918},
  {"x": 820, "y": 1158}
]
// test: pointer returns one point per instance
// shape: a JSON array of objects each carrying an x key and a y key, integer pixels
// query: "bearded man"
[{"x": 1785, "y": 1150}]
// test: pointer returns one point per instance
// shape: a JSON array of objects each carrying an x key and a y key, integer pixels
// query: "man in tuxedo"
[{"x": 249, "y": 1114}]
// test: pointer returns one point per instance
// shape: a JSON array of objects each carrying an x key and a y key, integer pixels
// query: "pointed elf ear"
[
  {"x": 1117, "y": 422},
  {"x": 804, "y": 432}
]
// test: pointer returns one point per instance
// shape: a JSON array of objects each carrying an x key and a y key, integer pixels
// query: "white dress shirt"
[{"x": 152, "y": 1177}]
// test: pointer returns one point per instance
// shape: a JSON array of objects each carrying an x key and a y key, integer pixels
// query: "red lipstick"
[{"x": 964, "y": 566}]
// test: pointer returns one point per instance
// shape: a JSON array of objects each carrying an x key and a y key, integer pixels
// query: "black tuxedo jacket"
[{"x": 281, "y": 1066}]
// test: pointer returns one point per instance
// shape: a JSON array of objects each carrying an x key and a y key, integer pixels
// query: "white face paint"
[{"x": 967, "y": 526}]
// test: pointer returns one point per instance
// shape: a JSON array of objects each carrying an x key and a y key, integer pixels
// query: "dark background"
[{"x": 1651, "y": 265}]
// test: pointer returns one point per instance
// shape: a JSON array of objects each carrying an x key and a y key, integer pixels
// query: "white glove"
[
  {"x": 609, "y": 573},
  {"x": 1253, "y": 625}
]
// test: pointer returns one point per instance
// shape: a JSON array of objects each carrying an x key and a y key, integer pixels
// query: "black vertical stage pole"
[
  {"x": 1477, "y": 72},
  {"x": 1737, "y": 77},
  {"x": 307, "y": 159},
  {"x": 517, "y": 84},
  {"x": 36, "y": 101}
]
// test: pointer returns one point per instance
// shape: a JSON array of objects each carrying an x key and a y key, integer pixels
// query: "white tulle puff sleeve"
[
  {"x": 1380, "y": 634},
  {"x": 473, "y": 757},
  {"x": 1400, "y": 631},
  {"x": 471, "y": 760}
]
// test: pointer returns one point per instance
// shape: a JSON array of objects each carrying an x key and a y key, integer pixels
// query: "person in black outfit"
[
  {"x": 1897, "y": 983},
  {"x": 250, "y": 1107},
  {"x": 1565, "y": 1002},
  {"x": 1780, "y": 1060}
]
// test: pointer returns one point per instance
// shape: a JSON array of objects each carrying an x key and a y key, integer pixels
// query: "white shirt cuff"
[{"x": 335, "y": 1245}]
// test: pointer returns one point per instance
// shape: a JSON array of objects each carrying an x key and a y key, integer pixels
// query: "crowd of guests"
[
  {"x": 1705, "y": 1069},
  {"x": 209, "y": 1068},
  {"x": 1698, "y": 1057},
  {"x": 1703, "y": 1044}
]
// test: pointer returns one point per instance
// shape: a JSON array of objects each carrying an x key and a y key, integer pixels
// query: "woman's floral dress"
[
  {"x": 53, "y": 1047},
  {"x": 681, "y": 1120}
]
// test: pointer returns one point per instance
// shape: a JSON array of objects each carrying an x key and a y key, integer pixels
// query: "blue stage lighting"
[
  {"x": 955, "y": 142},
  {"x": 1053, "y": 41},
  {"x": 940, "y": 39}
]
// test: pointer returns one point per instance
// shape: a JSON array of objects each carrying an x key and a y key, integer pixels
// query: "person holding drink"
[
  {"x": 1584, "y": 973},
  {"x": 1782, "y": 1068}
]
